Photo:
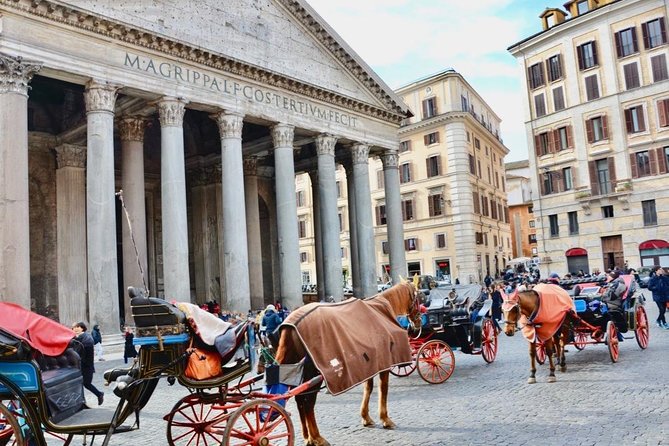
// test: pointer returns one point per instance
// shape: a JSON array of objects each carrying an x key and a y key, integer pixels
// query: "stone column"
[
  {"x": 71, "y": 227},
  {"x": 364, "y": 222},
  {"x": 235, "y": 241},
  {"x": 133, "y": 217},
  {"x": 103, "y": 303},
  {"x": 286, "y": 215},
  {"x": 318, "y": 239},
  {"x": 256, "y": 276},
  {"x": 14, "y": 208},
  {"x": 353, "y": 236},
  {"x": 173, "y": 198},
  {"x": 391, "y": 179},
  {"x": 327, "y": 191}
]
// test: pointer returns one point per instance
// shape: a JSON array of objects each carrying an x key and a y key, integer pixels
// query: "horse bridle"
[{"x": 414, "y": 315}]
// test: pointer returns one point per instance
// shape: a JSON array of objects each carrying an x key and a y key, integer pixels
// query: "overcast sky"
[{"x": 405, "y": 40}]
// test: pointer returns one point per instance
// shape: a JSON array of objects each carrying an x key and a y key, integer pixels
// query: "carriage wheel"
[
  {"x": 641, "y": 332},
  {"x": 488, "y": 341},
  {"x": 436, "y": 362},
  {"x": 14, "y": 408},
  {"x": 259, "y": 422},
  {"x": 195, "y": 423},
  {"x": 580, "y": 340},
  {"x": 10, "y": 429},
  {"x": 612, "y": 340},
  {"x": 540, "y": 352},
  {"x": 403, "y": 370}
]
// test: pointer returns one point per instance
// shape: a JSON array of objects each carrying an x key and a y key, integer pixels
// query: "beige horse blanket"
[
  {"x": 554, "y": 305},
  {"x": 350, "y": 341}
]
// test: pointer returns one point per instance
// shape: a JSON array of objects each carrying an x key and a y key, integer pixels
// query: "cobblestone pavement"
[{"x": 595, "y": 402}]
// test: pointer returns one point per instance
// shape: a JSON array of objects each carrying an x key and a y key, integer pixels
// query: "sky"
[{"x": 405, "y": 40}]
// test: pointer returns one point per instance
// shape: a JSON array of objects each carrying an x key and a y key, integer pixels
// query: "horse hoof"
[
  {"x": 367, "y": 423},
  {"x": 531, "y": 380},
  {"x": 316, "y": 442},
  {"x": 389, "y": 425},
  {"x": 551, "y": 379},
  {"x": 563, "y": 369}
]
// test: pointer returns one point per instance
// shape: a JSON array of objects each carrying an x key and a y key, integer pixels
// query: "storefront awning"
[
  {"x": 573, "y": 252},
  {"x": 653, "y": 244}
]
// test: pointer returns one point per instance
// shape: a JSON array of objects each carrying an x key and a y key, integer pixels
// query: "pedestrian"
[
  {"x": 97, "y": 341},
  {"x": 86, "y": 354},
  {"x": 129, "y": 349},
  {"x": 497, "y": 300},
  {"x": 488, "y": 280},
  {"x": 271, "y": 322},
  {"x": 659, "y": 285}
]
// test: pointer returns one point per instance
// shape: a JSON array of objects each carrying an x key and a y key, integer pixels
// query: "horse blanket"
[
  {"x": 350, "y": 341},
  {"x": 553, "y": 305}
]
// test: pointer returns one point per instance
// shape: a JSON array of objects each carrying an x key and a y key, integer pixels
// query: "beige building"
[
  {"x": 597, "y": 109},
  {"x": 452, "y": 186},
  {"x": 521, "y": 209}
]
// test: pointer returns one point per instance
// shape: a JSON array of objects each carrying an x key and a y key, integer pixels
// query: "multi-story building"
[
  {"x": 521, "y": 209},
  {"x": 597, "y": 89},
  {"x": 452, "y": 186}
]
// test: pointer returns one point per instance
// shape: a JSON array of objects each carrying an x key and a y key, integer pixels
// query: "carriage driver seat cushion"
[
  {"x": 230, "y": 342},
  {"x": 63, "y": 384},
  {"x": 153, "y": 311}
]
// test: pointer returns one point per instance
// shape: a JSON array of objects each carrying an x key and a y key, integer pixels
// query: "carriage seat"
[
  {"x": 63, "y": 384},
  {"x": 153, "y": 311}
]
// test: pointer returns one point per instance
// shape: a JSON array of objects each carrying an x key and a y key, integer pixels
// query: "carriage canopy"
[{"x": 41, "y": 333}]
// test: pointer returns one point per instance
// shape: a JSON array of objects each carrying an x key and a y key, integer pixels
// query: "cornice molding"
[{"x": 115, "y": 30}]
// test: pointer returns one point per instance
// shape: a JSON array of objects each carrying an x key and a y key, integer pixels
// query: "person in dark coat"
[
  {"x": 271, "y": 321},
  {"x": 87, "y": 355},
  {"x": 659, "y": 285},
  {"x": 129, "y": 349},
  {"x": 497, "y": 300}
]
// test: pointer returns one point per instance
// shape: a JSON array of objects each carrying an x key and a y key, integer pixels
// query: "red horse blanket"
[
  {"x": 553, "y": 306},
  {"x": 351, "y": 341}
]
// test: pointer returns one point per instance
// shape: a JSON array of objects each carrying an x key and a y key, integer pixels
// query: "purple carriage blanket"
[{"x": 351, "y": 341}]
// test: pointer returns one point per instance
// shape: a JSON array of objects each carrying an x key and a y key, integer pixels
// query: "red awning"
[
  {"x": 573, "y": 252},
  {"x": 654, "y": 244}
]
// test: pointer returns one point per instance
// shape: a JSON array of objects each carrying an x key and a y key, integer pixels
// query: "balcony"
[{"x": 620, "y": 190}]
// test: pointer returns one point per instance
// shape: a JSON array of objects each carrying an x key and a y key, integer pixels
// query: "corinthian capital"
[
  {"x": 325, "y": 144},
  {"x": 283, "y": 135},
  {"x": 171, "y": 112},
  {"x": 229, "y": 124},
  {"x": 390, "y": 160},
  {"x": 132, "y": 128},
  {"x": 15, "y": 74},
  {"x": 100, "y": 97},
  {"x": 69, "y": 155},
  {"x": 360, "y": 153},
  {"x": 251, "y": 165}
]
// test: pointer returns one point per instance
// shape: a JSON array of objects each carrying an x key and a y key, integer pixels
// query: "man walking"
[{"x": 86, "y": 353}]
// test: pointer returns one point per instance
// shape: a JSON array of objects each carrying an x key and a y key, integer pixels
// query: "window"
[
  {"x": 649, "y": 213},
  {"x": 484, "y": 205},
  {"x": 607, "y": 211},
  {"x": 411, "y": 244},
  {"x": 477, "y": 203},
  {"x": 302, "y": 228},
  {"x": 573, "y": 222},
  {"x": 626, "y": 42},
  {"x": 587, "y": 55},
  {"x": 380, "y": 214},
  {"x": 429, "y": 108},
  {"x": 531, "y": 224},
  {"x": 493, "y": 210},
  {"x": 433, "y": 165},
  {"x": 532, "y": 238},
  {"x": 304, "y": 257},
  {"x": 553, "y": 223},
  {"x": 379, "y": 179},
  {"x": 405, "y": 146},
  {"x": 659, "y": 67},
  {"x": 341, "y": 220},
  {"x": 489, "y": 176},
  {"x": 558, "y": 99},
  {"x": 654, "y": 33},
  {"x": 550, "y": 183},
  {"x": 591, "y": 87},
  {"x": 405, "y": 173},
  {"x": 478, "y": 164},
  {"x": 567, "y": 179},
  {"x": 542, "y": 144},
  {"x": 631, "y": 72},
  {"x": 338, "y": 184},
  {"x": 464, "y": 103},
  {"x": 472, "y": 164},
  {"x": 343, "y": 252},
  {"x": 300, "y": 198},
  {"x": 596, "y": 129},
  {"x": 634, "y": 121},
  {"x": 384, "y": 247},
  {"x": 640, "y": 163},
  {"x": 666, "y": 157},
  {"x": 530, "y": 209},
  {"x": 479, "y": 238},
  {"x": 434, "y": 205},
  {"x": 582, "y": 7},
  {"x": 554, "y": 68},
  {"x": 601, "y": 176},
  {"x": 477, "y": 143},
  {"x": 663, "y": 112},
  {"x": 563, "y": 138},
  {"x": 306, "y": 278},
  {"x": 440, "y": 241},
  {"x": 539, "y": 105},
  {"x": 407, "y": 210},
  {"x": 431, "y": 138},
  {"x": 535, "y": 74}
]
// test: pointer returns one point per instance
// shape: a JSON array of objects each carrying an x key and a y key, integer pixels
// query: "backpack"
[{"x": 97, "y": 337}]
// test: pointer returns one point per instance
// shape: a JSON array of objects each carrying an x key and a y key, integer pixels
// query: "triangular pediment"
[{"x": 284, "y": 37}]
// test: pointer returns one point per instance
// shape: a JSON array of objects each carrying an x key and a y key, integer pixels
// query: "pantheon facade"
[{"x": 155, "y": 144}]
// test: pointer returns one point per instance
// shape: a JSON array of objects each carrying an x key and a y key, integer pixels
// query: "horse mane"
[{"x": 396, "y": 296}]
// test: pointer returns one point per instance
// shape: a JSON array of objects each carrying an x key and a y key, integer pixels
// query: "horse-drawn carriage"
[{"x": 458, "y": 316}]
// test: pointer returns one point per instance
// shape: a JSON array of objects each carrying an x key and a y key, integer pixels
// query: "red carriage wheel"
[
  {"x": 258, "y": 423},
  {"x": 580, "y": 340},
  {"x": 403, "y": 370},
  {"x": 641, "y": 332},
  {"x": 10, "y": 428},
  {"x": 194, "y": 422},
  {"x": 612, "y": 340},
  {"x": 488, "y": 341},
  {"x": 435, "y": 361},
  {"x": 540, "y": 352}
]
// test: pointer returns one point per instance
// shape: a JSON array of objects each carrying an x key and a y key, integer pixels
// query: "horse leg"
[
  {"x": 310, "y": 432},
  {"x": 550, "y": 349},
  {"x": 533, "y": 365},
  {"x": 562, "y": 344},
  {"x": 384, "y": 381},
  {"x": 364, "y": 406}
]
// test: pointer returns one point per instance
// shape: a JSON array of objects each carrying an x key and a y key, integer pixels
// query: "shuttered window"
[
  {"x": 587, "y": 55},
  {"x": 477, "y": 203},
  {"x": 433, "y": 165},
  {"x": 634, "y": 120},
  {"x": 539, "y": 105},
  {"x": 644, "y": 163},
  {"x": 558, "y": 99},
  {"x": 663, "y": 112},
  {"x": 405, "y": 146},
  {"x": 659, "y": 67},
  {"x": 626, "y": 43},
  {"x": 602, "y": 175},
  {"x": 429, "y": 108},
  {"x": 411, "y": 244},
  {"x": 591, "y": 87},
  {"x": 440, "y": 241},
  {"x": 631, "y": 72},
  {"x": 431, "y": 138},
  {"x": 407, "y": 210},
  {"x": 380, "y": 215},
  {"x": 562, "y": 138},
  {"x": 535, "y": 74},
  {"x": 472, "y": 164},
  {"x": 554, "y": 68},
  {"x": 405, "y": 173},
  {"x": 379, "y": 179},
  {"x": 543, "y": 143},
  {"x": 434, "y": 205},
  {"x": 596, "y": 129},
  {"x": 654, "y": 33}
]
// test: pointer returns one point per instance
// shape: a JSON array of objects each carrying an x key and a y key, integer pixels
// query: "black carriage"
[{"x": 457, "y": 317}]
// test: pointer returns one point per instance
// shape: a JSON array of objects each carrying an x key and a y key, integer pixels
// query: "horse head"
[{"x": 515, "y": 305}]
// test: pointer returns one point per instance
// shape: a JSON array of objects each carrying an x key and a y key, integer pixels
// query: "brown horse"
[
  {"x": 520, "y": 311},
  {"x": 404, "y": 300}
]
